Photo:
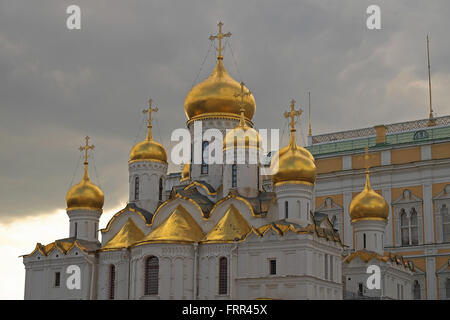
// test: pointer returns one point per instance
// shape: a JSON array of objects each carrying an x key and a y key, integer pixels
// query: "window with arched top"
[
  {"x": 414, "y": 226},
  {"x": 286, "y": 209},
  {"x": 160, "y": 189},
  {"x": 223, "y": 275},
  {"x": 234, "y": 176},
  {"x": 112, "y": 280},
  {"x": 204, "y": 167},
  {"x": 151, "y": 275},
  {"x": 445, "y": 223},
  {"x": 404, "y": 226},
  {"x": 416, "y": 290},
  {"x": 136, "y": 188}
]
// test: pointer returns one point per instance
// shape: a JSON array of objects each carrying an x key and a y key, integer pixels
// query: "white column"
[
  {"x": 431, "y": 277},
  {"x": 348, "y": 232},
  {"x": 428, "y": 213},
  {"x": 388, "y": 232}
]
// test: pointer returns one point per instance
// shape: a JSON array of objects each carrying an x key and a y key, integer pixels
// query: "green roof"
[{"x": 395, "y": 139}]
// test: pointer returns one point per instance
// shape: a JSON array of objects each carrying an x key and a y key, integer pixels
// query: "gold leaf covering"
[
  {"x": 295, "y": 164},
  {"x": 85, "y": 195},
  {"x": 232, "y": 226},
  {"x": 216, "y": 96},
  {"x": 178, "y": 227},
  {"x": 368, "y": 205},
  {"x": 127, "y": 236},
  {"x": 185, "y": 173}
]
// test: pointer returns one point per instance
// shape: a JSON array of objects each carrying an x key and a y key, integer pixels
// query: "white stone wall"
[{"x": 149, "y": 173}]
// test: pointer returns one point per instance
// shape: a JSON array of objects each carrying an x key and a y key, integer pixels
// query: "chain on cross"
[
  {"x": 86, "y": 148},
  {"x": 293, "y": 114},
  {"x": 220, "y": 36}
]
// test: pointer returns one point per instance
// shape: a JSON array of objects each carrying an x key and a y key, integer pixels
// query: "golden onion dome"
[
  {"x": 242, "y": 136},
  {"x": 295, "y": 164},
  {"x": 368, "y": 205},
  {"x": 149, "y": 149},
  {"x": 215, "y": 97},
  {"x": 85, "y": 194},
  {"x": 185, "y": 173}
]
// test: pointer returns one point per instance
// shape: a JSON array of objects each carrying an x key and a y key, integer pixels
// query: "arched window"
[
  {"x": 151, "y": 275},
  {"x": 286, "y": 209},
  {"x": 364, "y": 240},
  {"x": 416, "y": 291},
  {"x": 160, "y": 189},
  {"x": 204, "y": 168},
  {"x": 234, "y": 176},
  {"x": 223, "y": 276},
  {"x": 136, "y": 188},
  {"x": 112, "y": 280},
  {"x": 404, "y": 226},
  {"x": 445, "y": 223},
  {"x": 76, "y": 229},
  {"x": 414, "y": 225}
]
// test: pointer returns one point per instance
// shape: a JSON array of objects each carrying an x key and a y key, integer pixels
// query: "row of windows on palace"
[{"x": 409, "y": 224}]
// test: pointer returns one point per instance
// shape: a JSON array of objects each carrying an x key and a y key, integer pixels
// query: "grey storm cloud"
[{"x": 58, "y": 85}]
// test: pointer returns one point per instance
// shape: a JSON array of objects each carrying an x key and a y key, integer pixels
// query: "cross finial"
[
  {"x": 431, "y": 120},
  {"x": 220, "y": 36},
  {"x": 86, "y": 148},
  {"x": 366, "y": 160},
  {"x": 242, "y": 94},
  {"x": 150, "y": 110},
  {"x": 292, "y": 114}
]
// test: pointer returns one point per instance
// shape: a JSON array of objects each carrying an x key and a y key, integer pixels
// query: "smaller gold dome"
[
  {"x": 368, "y": 205},
  {"x": 85, "y": 195},
  {"x": 295, "y": 164},
  {"x": 243, "y": 136},
  {"x": 185, "y": 173},
  {"x": 148, "y": 150}
]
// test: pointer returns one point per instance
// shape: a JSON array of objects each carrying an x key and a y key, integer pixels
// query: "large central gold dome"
[{"x": 215, "y": 97}]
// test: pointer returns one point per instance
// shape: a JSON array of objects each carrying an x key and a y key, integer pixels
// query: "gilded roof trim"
[
  {"x": 198, "y": 184},
  {"x": 127, "y": 208},
  {"x": 178, "y": 196},
  {"x": 232, "y": 196}
]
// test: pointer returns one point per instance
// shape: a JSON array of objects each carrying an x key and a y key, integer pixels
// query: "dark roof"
[
  {"x": 147, "y": 214},
  {"x": 192, "y": 193},
  {"x": 260, "y": 204}
]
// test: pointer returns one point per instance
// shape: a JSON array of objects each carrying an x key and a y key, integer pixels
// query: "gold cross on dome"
[
  {"x": 86, "y": 148},
  {"x": 150, "y": 110},
  {"x": 242, "y": 94},
  {"x": 366, "y": 159},
  {"x": 220, "y": 36},
  {"x": 292, "y": 114}
]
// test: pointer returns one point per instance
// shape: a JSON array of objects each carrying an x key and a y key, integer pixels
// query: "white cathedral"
[{"x": 222, "y": 231}]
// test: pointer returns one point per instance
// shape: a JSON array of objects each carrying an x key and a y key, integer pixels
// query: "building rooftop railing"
[
  {"x": 411, "y": 132},
  {"x": 390, "y": 128}
]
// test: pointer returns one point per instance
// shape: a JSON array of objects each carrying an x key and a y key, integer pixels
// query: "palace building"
[{"x": 349, "y": 202}]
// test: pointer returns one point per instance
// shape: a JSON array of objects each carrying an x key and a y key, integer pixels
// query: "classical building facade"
[{"x": 229, "y": 231}]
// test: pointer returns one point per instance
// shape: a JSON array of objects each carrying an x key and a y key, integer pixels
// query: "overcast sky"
[{"x": 58, "y": 85}]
